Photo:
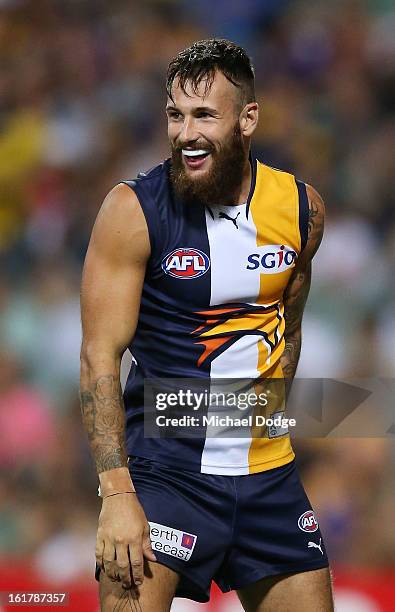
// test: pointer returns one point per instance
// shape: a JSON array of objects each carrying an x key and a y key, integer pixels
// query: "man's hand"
[{"x": 123, "y": 539}]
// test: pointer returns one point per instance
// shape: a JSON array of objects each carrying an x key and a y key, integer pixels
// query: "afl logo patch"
[
  {"x": 186, "y": 263},
  {"x": 307, "y": 522}
]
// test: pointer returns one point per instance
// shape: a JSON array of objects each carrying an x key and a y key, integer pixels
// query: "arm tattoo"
[
  {"x": 315, "y": 222},
  {"x": 291, "y": 355},
  {"x": 294, "y": 302},
  {"x": 104, "y": 420},
  {"x": 313, "y": 214},
  {"x": 297, "y": 290}
]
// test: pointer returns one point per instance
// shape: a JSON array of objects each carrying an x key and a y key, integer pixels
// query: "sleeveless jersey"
[{"x": 211, "y": 307}]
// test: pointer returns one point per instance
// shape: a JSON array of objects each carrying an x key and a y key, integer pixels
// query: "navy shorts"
[{"x": 234, "y": 530}]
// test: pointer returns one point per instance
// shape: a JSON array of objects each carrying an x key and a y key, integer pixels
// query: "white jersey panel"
[
  {"x": 232, "y": 238},
  {"x": 222, "y": 454},
  {"x": 231, "y": 241}
]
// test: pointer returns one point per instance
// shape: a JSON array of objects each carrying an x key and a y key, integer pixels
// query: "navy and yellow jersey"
[{"x": 212, "y": 308}]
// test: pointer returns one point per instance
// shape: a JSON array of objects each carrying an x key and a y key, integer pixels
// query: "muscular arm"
[
  {"x": 110, "y": 298},
  {"x": 297, "y": 290}
]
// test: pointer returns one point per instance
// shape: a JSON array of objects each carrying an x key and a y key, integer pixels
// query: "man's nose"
[{"x": 189, "y": 133}]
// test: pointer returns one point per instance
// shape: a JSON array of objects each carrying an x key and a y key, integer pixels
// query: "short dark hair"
[{"x": 202, "y": 59}]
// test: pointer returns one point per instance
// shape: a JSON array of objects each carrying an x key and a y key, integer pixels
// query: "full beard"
[{"x": 221, "y": 184}]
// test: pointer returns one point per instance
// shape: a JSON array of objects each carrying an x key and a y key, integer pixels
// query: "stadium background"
[{"x": 81, "y": 107}]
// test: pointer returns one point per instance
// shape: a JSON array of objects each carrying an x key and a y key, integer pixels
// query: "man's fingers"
[
  {"x": 147, "y": 548},
  {"x": 123, "y": 564},
  {"x": 99, "y": 552},
  {"x": 137, "y": 562},
  {"x": 110, "y": 565}
]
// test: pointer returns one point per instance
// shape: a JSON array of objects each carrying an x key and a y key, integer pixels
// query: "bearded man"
[{"x": 201, "y": 267}]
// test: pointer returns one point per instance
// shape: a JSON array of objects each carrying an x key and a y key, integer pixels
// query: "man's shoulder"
[
  {"x": 275, "y": 172},
  {"x": 154, "y": 173}
]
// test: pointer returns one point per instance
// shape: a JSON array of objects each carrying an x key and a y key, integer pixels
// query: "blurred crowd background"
[{"x": 81, "y": 108}]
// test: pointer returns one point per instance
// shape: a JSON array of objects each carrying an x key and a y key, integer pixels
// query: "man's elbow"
[
  {"x": 98, "y": 357},
  {"x": 293, "y": 332}
]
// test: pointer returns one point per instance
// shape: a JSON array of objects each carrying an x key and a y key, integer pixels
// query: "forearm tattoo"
[
  {"x": 290, "y": 356},
  {"x": 294, "y": 304},
  {"x": 103, "y": 416}
]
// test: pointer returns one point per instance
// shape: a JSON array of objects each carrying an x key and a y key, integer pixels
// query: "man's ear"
[{"x": 249, "y": 118}]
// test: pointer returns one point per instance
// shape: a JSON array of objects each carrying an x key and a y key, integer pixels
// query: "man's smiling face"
[{"x": 208, "y": 152}]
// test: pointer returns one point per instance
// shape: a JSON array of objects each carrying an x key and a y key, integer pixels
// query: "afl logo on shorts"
[
  {"x": 307, "y": 522},
  {"x": 186, "y": 263}
]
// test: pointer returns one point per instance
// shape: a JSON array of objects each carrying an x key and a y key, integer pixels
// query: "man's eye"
[
  {"x": 203, "y": 115},
  {"x": 174, "y": 115}
]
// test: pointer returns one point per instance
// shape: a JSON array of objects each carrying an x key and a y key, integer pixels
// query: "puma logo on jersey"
[
  {"x": 223, "y": 215},
  {"x": 314, "y": 545}
]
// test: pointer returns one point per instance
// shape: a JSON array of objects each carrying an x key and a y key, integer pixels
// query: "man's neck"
[{"x": 242, "y": 196}]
